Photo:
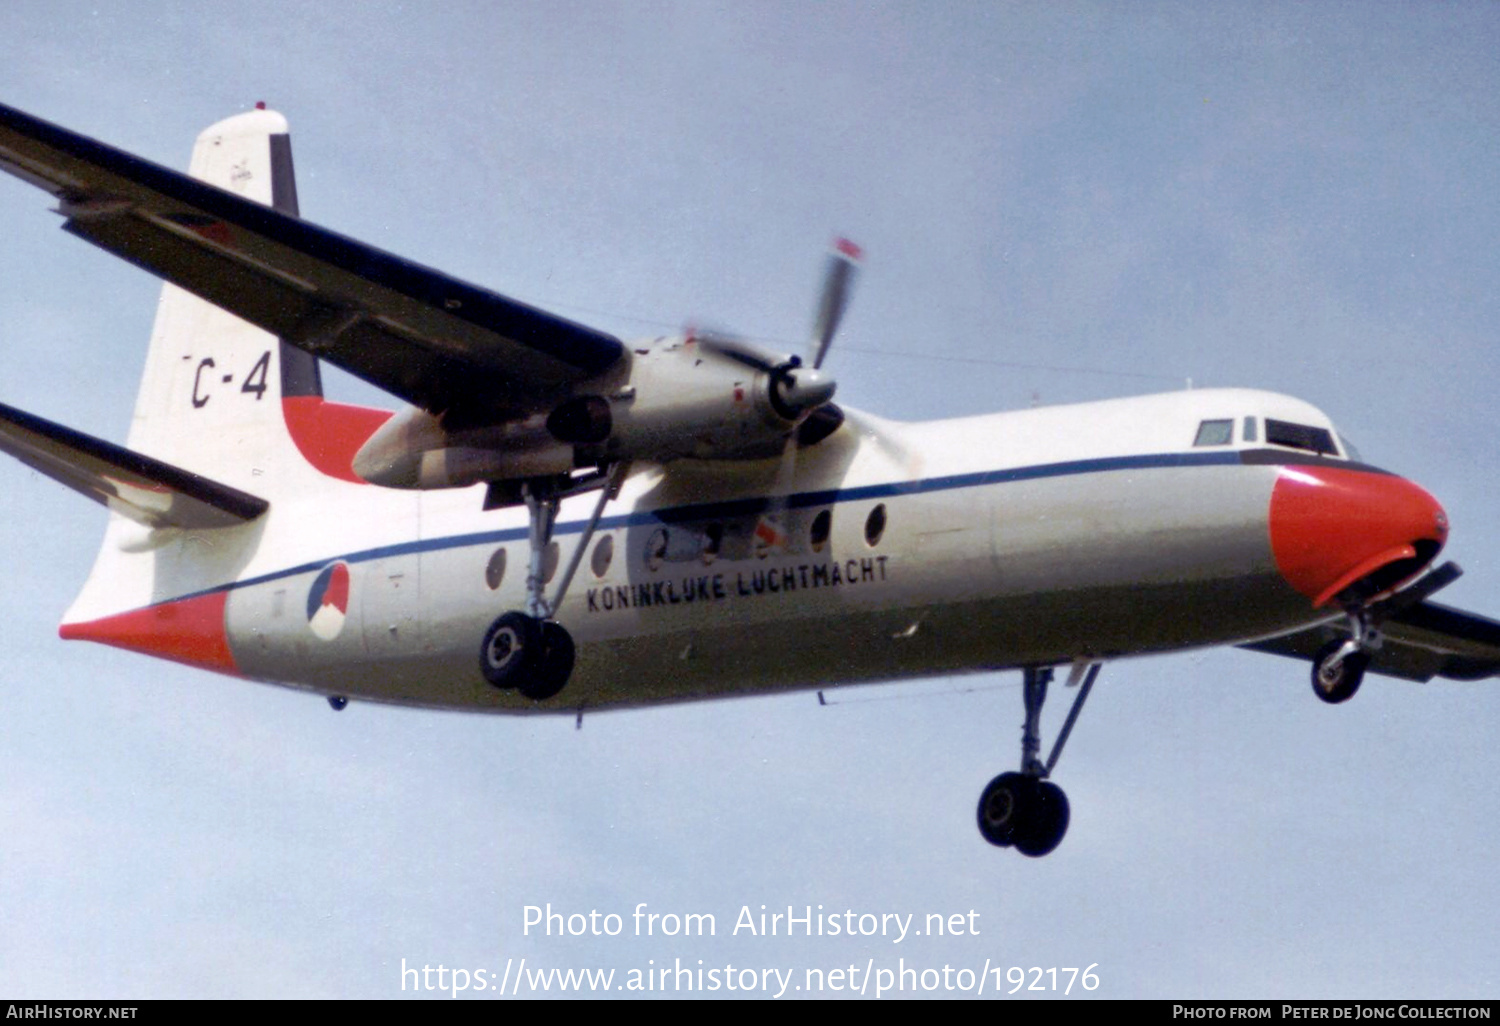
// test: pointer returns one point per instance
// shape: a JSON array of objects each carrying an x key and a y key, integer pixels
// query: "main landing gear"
[
  {"x": 530, "y": 651},
  {"x": 1025, "y": 810}
]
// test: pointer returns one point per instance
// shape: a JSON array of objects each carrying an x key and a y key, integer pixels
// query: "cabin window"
[
  {"x": 821, "y": 526},
  {"x": 551, "y": 559},
  {"x": 656, "y": 549},
  {"x": 494, "y": 570},
  {"x": 1301, "y": 436},
  {"x": 713, "y": 541},
  {"x": 604, "y": 554},
  {"x": 875, "y": 525},
  {"x": 1248, "y": 433},
  {"x": 1215, "y": 432}
]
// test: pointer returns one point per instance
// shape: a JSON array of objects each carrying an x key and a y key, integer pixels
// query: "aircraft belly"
[{"x": 1002, "y": 575}]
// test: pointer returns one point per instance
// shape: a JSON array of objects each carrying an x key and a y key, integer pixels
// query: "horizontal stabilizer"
[
  {"x": 1425, "y": 641},
  {"x": 148, "y": 491}
]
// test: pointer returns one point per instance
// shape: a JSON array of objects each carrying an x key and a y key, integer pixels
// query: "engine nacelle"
[
  {"x": 681, "y": 398},
  {"x": 414, "y": 450},
  {"x": 689, "y": 399}
]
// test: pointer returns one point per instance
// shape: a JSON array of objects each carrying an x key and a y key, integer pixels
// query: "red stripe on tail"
[{"x": 329, "y": 434}]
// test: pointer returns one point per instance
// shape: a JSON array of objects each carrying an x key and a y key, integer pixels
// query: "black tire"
[
  {"x": 1002, "y": 809},
  {"x": 551, "y": 673},
  {"x": 1338, "y": 685},
  {"x": 1044, "y": 820},
  {"x": 512, "y": 648}
]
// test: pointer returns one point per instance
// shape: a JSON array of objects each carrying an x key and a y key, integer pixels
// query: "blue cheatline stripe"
[{"x": 753, "y": 506}]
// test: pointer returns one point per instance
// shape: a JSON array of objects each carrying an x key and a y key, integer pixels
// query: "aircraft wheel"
[
  {"x": 1001, "y": 808},
  {"x": 1045, "y": 819},
  {"x": 512, "y": 646},
  {"x": 554, "y": 667},
  {"x": 1335, "y": 683}
]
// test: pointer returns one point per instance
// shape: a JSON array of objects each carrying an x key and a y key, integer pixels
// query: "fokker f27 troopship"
[{"x": 561, "y": 519}]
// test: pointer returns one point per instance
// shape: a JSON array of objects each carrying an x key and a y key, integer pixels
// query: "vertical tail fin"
[
  {"x": 211, "y": 394},
  {"x": 231, "y": 402},
  {"x": 226, "y": 399}
]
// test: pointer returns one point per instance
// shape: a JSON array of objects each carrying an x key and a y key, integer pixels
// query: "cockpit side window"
[
  {"x": 1301, "y": 436},
  {"x": 1214, "y": 432}
]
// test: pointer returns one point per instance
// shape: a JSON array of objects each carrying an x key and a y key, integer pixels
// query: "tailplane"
[{"x": 149, "y": 492}]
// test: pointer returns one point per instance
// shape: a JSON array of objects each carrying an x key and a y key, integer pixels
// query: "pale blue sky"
[{"x": 1301, "y": 197}]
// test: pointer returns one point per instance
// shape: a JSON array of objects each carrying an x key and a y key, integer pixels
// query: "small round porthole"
[
  {"x": 604, "y": 553},
  {"x": 494, "y": 570},
  {"x": 713, "y": 541},
  {"x": 656, "y": 549},
  {"x": 818, "y": 534},
  {"x": 875, "y": 525}
]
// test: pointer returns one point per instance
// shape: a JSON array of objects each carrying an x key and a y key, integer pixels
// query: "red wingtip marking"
[
  {"x": 849, "y": 249},
  {"x": 260, "y": 104},
  {"x": 190, "y": 631}
]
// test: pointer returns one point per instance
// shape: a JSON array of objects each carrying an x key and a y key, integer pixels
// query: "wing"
[
  {"x": 437, "y": 342},
  {"x": 147, "y": 491},
  {"x": 1424, "y": 641}
]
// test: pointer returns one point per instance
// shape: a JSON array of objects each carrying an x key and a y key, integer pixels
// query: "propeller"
[
  {"x": 808, "y": 392},
  {"x": 795, "y": 389}
]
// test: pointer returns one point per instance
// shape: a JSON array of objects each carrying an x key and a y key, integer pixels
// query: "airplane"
[{"x": 559, "y": 520}]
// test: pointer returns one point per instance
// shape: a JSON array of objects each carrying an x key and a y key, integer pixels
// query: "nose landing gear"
[
  {"x": 1025, "y": 810},
  {"x": 1339, "y": 667}
]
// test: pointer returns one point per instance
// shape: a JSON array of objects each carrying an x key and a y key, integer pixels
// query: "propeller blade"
[
  {"x": 771, "y": 530},
  {"x": 795, "y": 388},
  {"x": 744, "y": 352},
  {"x": 837, "y": 281},
  {"x": 879, "y": 434}
]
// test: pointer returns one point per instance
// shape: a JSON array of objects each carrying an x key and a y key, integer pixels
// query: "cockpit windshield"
[
  {"x": 1268, "y": 431},
  {"x": 1301, "y": 436}
]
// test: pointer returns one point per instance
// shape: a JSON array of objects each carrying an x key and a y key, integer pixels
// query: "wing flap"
[
  {"x": 442, "y": 344},
  {"x": 147, "y": 491}
]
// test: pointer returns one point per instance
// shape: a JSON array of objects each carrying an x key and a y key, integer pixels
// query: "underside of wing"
[
  {"x": 147, "y": 491},
  {"x": 442, "y": 344},
  {"x": 1425, "y": 641}
]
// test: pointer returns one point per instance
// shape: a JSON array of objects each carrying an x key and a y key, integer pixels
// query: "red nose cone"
[{"x": 1332, "y": 528}]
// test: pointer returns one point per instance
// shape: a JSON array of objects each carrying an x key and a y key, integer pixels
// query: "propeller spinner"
[{"x": 797, "y": 389}]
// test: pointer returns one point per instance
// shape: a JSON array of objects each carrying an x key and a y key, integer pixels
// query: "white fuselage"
[{"x": 1034, "y": 537}]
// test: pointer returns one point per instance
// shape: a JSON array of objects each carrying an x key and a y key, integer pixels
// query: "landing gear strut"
[
  {"x": 1025, "y": 810},
  {"x": 529, "y": 651},
  {"x": 1339, "y": 667}
]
